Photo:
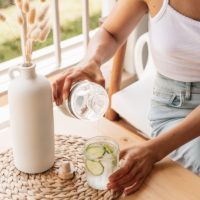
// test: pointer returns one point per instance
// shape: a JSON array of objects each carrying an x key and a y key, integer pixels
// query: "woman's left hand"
[{"x": 136, "y": 164}]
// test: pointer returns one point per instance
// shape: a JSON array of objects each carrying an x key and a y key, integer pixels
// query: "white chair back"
[
  {"x": 133, "y": 102},
  {"x": 142, "y": 70}
]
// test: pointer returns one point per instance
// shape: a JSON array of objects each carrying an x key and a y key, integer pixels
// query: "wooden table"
[{"x": 168, "y": 181}]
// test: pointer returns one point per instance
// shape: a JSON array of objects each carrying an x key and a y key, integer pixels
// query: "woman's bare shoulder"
[{"x": 154, "y": 6}]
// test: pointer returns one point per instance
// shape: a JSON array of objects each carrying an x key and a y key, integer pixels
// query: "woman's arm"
[
  {"x": 138, "y": 160},
  {"x": 115, "y": 30},
  {"x": 184, "y": 132},
  {"x": 112, "y": 34}
]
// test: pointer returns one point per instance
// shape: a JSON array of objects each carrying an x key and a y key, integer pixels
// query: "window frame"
[
  {"x": 72, "y": 51},
  {"x": 59, "y": 51}
]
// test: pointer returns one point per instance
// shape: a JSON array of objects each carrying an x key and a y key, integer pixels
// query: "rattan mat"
[{"x": 16, "y": 185}]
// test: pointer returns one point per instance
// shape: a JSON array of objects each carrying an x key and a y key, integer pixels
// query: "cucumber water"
[{"x": 101, "y": 160}]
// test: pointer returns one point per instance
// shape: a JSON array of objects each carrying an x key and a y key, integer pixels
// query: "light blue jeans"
[{"x": 171, "y": 102}]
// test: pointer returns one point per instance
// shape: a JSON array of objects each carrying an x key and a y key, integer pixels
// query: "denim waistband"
[{"x": 178, "y": 87}]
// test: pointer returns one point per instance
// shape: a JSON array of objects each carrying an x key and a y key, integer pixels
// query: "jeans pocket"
[
  {"x": 160, "y": 101},
  {"x": 177, "y": 100},
  {"x": 169, "y": 98},
  {"x": 163, "y": 106},
  {"x": 164, "y": 103},
  {"x": 161, "y": 96}
]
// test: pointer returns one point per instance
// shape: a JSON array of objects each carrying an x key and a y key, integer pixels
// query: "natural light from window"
[
  {"x": 70, "y": 19},
  {"x": 71, "y": 16}
]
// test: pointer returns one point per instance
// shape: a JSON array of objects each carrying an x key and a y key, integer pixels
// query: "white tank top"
[{"x": 175, "y": 44}]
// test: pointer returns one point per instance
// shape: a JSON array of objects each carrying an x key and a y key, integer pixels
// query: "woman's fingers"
[
  {"x": 133, "y": 176},
  {"x": 95, "y": 75},
  {"x": 115, "y": 187},
  {"x": 57, "y": 89},
  {"x": 134, "y": 187},
  {"x": 54, "y": 91},
  {"x": 122, "y": 153},
  {"x": 101, "y": 81},
  {"x": 66, "y": 88},
  {"x": 128, "y": 188},
  {"x": 85, "y": 71},
  {"x": 128, "y": 177},
  {"x": 126, "y": 166},
  {"x": 70, "y": 80},
  {"x": 60, "y": 83},
  {"x": 138, "y": 176},
  {"x": 61, "y": 88},
  {"x": 136, "y": 166}
]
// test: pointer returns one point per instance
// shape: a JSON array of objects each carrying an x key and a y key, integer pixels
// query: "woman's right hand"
[{"x": 83, "y": 71}]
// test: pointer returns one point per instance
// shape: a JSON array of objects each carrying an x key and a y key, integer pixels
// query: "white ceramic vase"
[{"x": 31, "y": 120}]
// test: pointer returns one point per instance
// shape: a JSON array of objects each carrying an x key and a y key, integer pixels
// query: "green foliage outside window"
[{"x": 71, "y": 25}]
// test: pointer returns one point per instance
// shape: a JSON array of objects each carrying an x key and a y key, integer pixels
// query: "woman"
[{"x": 174, "y": 29}]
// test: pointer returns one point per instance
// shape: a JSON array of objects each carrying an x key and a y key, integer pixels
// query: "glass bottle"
[{"x": 87, "y": 101}]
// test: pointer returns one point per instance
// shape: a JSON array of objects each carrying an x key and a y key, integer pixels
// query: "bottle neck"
[{"x": 28, "y": 72}]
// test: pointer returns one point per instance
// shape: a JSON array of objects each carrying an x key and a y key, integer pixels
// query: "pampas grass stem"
[
  {"x": 44, "y": 34},
  {"x": 43, "y": 13},
  {"x": 44, "y": 23},
  {"x": 32, "y": 16},
  {"x": 26, "y": 6},
  {"x": 2, "y": 18},
  {"x": 24, "y": 37},
  {"x": 33, "y": 28},
  {"x": 19, "y": 3},
  {"x": 20, "y": 19},
  {"x": 35, "y": 34}
]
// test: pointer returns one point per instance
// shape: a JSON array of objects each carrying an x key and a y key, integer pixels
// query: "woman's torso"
[{"x": 175, "y": 41}]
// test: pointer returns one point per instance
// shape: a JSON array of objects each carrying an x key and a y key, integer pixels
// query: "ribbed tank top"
[{"x": 175, "y": 44}]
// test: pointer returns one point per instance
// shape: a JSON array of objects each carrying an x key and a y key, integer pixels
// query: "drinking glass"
[{"x": 101, "y": 157}]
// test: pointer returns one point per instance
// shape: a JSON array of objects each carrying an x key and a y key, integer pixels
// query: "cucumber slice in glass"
[
  {"x": 108, "y": 148},
  {"x": 94, "y": 152},
  {"x": 95, "y": 168},
  {"x": 114, "y": 161}
]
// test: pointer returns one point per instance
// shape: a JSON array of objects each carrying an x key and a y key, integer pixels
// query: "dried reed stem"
[
  {"x": 20, "y": 19},
  {"x": 26, "y": 6},
  {"x": 19, "y": 3},
  {"x": 29, "y": 51},
  {"x": 31, "y": 29},
  {"x": 43, "y": 24},
  {"x": 32, "y": 16},
  {"x": 35, "y": 26},
  {"x": 2, "y": 18},
  {"x": 44, "y": 33},
  {"x": 43, "y": 12},
  {"x": 35, "y": 35},
  {"x": 24, "y": 37}
]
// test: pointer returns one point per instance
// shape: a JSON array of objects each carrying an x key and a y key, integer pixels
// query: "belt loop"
[
  {"x": 188, "y": 91},
  {"x": 182, "y": 100}
]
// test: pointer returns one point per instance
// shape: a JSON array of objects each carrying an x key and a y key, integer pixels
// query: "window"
[
  {"x": 69, "y": 20},
  {"x": 9, "y": 34},
  {"x": 71, "y": 16}
]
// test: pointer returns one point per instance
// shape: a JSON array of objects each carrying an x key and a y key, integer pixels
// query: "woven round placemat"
[{"x": 16, "y": 185}]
